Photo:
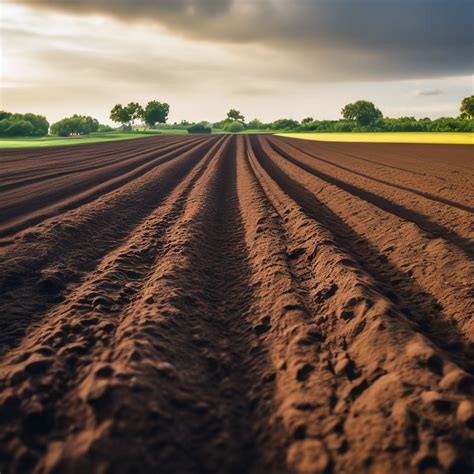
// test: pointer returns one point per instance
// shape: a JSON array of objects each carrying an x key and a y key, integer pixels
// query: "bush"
[
  {"x": 199, "y": 128},
  {"x": 343, "y": 126},
  {"x": 257, "y": 124},
  {"x": 283, "y": 124},
  {"x": 234, "y": 127},
  {"x": 105, "y": 128}
]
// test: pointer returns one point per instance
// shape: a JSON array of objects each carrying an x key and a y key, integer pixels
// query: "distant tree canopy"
[
  {"x": 362, "y": 111},
  {"x": 156, "y": 112},
  {"x": 467, "y": 108},
  {"x": 235, "y": 116},
  {"x": 77, "y": 124},
  {"x": 121, "y": 114},
  {"x": 256, "y": 124},
  {"x": 153, "y": 113},
  {"x": 136, "y": 111},
  {"x": 22, "y": 125},
  {"x": 307, "y": 120}
]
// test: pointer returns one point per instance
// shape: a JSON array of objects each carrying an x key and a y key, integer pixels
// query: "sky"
[{"x": 268, "y": 58}]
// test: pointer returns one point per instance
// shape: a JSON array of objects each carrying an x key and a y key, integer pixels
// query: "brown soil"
[{"x": 244, "y": 304}]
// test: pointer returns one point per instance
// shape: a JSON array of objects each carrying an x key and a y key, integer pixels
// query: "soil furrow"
[
  {"x": 28, "y": 166},
  {"x": 82, "y": 329},
  {"x": 349, "y": 322},
  {"x": 420, "y": 306},
  {"x": 423, "y": 194},
  {"x": 34, "y": 207},
  {"x": 424, "y": 222},
  {"x": 48, "y": 262},
  {"x": 442, "y": 175},
  {"x": 95, "y": 162}
]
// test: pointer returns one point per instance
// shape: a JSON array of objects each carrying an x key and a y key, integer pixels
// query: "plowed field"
[{"x": 237, "y": 304}]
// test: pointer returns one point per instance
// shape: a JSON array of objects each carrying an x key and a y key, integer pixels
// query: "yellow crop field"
[{"x": 454, "y": 138}]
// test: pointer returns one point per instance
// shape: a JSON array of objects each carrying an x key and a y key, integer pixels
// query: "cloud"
[
  {"x": 335, "y": 39},
  {"x": 429, "y": 92}
]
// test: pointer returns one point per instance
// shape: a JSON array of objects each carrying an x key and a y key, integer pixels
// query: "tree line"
[
  {"x": 360, "y": 116},
  {"x": 22, "y": 125}
]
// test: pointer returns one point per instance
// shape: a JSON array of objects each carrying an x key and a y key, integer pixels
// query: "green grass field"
[
  {"x": 28, "y": 142},
  {"x": 453, "y": 138}
]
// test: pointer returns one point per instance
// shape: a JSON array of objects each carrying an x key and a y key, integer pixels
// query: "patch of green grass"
[
  {"x": 452, "y": 138},
  {"x": 28, "y": 142}
]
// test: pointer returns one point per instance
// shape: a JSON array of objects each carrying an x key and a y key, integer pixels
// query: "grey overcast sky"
[{"x": 268, "y": 58}]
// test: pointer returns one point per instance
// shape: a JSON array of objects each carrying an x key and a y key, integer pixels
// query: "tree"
[
  {"x": 4, "y": 124},
  {"x": 20, "y": 128},
  {"x": 135, "y": 111},
  {"x": 235, "y": 116},
  {"x": 307, "y": 120},
  {"x": 121, "y": 115},
  {"x": 467, "y": 108},
  {"x": 156, "y": 112},
  {"x": 362, "y": 111},
  {"x": 77, "y": 124},
  {"x": 4, "y": 115},
  {"x": 40, "y": 124}
]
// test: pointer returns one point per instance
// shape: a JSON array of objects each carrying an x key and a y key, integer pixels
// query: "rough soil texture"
[{"x": 237, "y": 304}]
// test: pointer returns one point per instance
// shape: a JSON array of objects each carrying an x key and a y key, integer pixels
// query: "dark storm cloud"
[{"x": 367, "y": 39}]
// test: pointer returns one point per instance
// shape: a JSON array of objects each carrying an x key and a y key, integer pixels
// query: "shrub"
[
  {"x": 105, "y": 128},
  {"x": 256, "y": 124},
  {"x": 343, "y": 126},
  {"x": 199, "y": 128},
  {"x": 282, "y": 124},
  {"x": 234, "y": 127}
]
